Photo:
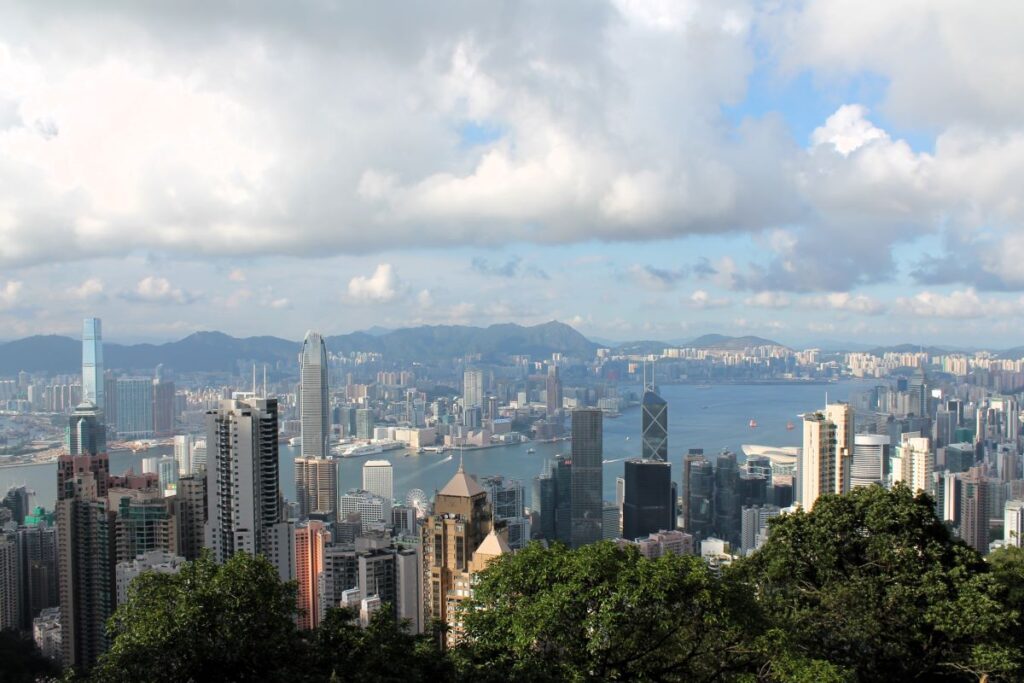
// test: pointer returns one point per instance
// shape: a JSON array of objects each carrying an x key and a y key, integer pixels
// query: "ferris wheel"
[{"x": 416, "y": 498}]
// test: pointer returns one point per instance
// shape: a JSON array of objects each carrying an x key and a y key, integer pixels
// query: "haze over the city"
[{"x": 799, "y": 171}]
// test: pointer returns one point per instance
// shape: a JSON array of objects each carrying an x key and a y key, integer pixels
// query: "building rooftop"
[{"x": 461, "y": 485}]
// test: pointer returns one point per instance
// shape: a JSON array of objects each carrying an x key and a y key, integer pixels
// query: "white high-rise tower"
[
  {"x": 314, "y": 403},
  {"x": 92, "y": 362}
]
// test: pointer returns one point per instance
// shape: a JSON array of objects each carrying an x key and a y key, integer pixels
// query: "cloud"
[
  {"x": 701, "y": 299},
  {"x": 511, "y": 268},
  {"x": 657, "y": 279},
  {"x": 158, "y": 290},
  {"x": 237, "y": 275},
  {"x": 848, "y": 129},
  {"x": 9, "y": 294},
  {"x": 960, "y": 304},
  {"x": 424, "y": 299},
  {"x": 381, "y": 287},
  {"x": 768, "y": 300},
  {"x": 845, "y": 301},
  {"x": 90, "y": 289}
]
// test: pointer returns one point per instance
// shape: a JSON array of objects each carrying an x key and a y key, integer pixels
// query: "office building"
[
  {"x": 491, "y": 548},
  {"x": 183, "y": 454},
  {"x": 16, "y": 501},
  {"x": 1013, "y": 523},
  {"x": 189, "y": 506},
  {"x": 728, "y": 502},
  {"x": 109, "y": 405},
  {"x": 364, "y": 423},
  {"x": 507, "y": 498},
  {"x": 913, "y": 462},
  {"x": 654, "y": 426},
  {"x": 316, "y": 488},
  {"x": 553, "y": 392},
  {"x": 37, "y": 555},
  {"x": 244, "y": 510},
  {"x": 10, "y": 589},
  {"x": 377, "y": 479},
  {"x": 473, "y": 389},
  {"x": 314, "y": 401},
  {"x": 166, "y": 469},
  {"x": 310, "y": 540},
  {"x": 143, "y": 522},
  {"x": 587, "y": 472},
  {"x": 154, "y": 561},
  {"x": 86, "y": 434},
  {"x": 698, "y": 495},
  {"x": 92, "y": 362},
  {"x": 754, "y": 526},
  {"x": 164, "y": 417},
  {"x": 974, "y": 509},
  {"x": 134, "y": 408},
  {"x": 869, "y": 465},
  {"x": 647, "y": 504},
  {"x": 824, "y": 463},
  {"x": 46, "y": 633},
  {"x": 86, "y": 558},
  {"x": 373, "y": 510},
  {"x": 459, "y": 524}
]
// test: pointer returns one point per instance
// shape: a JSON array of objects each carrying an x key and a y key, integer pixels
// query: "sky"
[{"x": 805, "y": 171}]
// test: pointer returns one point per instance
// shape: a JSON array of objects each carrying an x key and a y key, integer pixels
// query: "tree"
[
  {"x": 602, "y": 613},
  {"x": 233, "y": 622},
  {"x": 21, "y": 661},
  {"x": 872, "y": 583},
  {"x": 383, "y": 651}
]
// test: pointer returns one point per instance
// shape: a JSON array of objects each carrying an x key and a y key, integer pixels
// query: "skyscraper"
[
  {"x": 647, "y": 504},
  {"x": 870, "y": 460},
  {"x": 913, "y": 462},
  {"x": 974, "y": 504},
  {"x": 654, "y": 426},
  {"x": 310, "y": 539},
  {"x": 163, "y": 407},
  {"x": 86, "y": 558},
  {"x": 135, "y": 407},
  {"x": 824, "y": 463},
  {"x": 183, "y": 454},
  {"x": 553, "y": 391},
  {"x": 378, "y": 478},
  {"x": 243, "y": 510},
  {"x": 473, "y": 389},
  {"x": 587, "y": 450},
  {"x": 10, "y": 607},
  {"x": 698, "y": 494},
  {"x": 92, "y": 362},
  {"x": 86, "y": 433},
  {"x": 37, "y": 550},
  {"x": 316, "y": 487},
  {"x": 314, "y": 402},
  {"x": 461, "y": 521}
]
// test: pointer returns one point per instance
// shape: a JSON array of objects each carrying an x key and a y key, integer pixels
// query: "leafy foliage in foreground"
[{"x": 865, "y": 587}]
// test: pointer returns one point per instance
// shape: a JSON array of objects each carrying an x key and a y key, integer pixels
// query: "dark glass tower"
[
  {"x": 727, "y": 498},
  {"x": 647, "y": 505},
  {"x": 587, "y": 449},
  {"x": 698, "y": 496}
]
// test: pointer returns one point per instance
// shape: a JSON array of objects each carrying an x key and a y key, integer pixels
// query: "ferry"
[{"x": 361, "y": 450}]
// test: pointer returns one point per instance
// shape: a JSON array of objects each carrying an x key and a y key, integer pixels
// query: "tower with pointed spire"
[{"x": 459, "y": 524}]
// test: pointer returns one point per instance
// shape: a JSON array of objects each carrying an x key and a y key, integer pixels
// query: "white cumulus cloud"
[{"x": 381, "y": 287}]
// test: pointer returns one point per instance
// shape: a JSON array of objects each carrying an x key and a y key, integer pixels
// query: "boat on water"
[
  {"x": 790, "y": 426},
  {"x": 295, "y": 441},
  {"x": 421, "y": 450},
  {"x": 753, "y": 424},
  {"x": 361, "y": 450}
]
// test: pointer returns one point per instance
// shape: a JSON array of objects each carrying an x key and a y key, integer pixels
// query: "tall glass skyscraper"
[
  {"x": 314, "y": 402},
  {"x": 92, "y": 362},
  {"x": 654, "y": 426},
  {"x": 587, "y": 448}
]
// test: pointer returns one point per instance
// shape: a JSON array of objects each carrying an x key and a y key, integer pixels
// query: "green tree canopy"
[
  {"x": 873, "y": 583},
  {"x": 602, "y": 613},
  {"x": 232, "y": 622}
]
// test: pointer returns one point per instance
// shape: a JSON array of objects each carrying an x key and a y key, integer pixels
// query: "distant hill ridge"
[{"x": 216, "y": 351}]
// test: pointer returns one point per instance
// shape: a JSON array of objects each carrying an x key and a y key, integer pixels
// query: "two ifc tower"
[{"x": 648, "y": 503}]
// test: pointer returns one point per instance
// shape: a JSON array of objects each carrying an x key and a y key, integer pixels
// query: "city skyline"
[{"x": 785, "y": 171}]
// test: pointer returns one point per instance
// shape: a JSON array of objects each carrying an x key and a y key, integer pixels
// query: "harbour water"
[{"x": 712, "y": 418}]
